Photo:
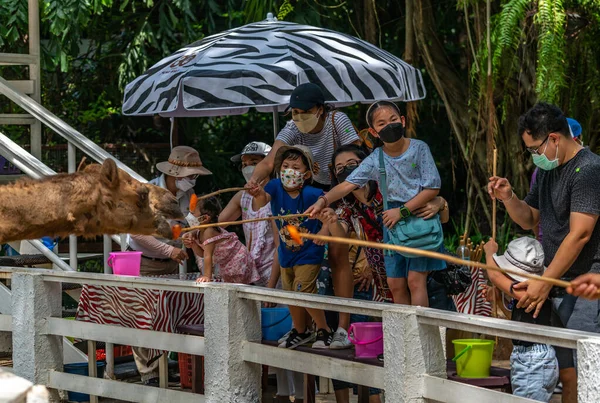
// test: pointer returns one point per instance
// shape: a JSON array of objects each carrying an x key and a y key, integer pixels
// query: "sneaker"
[
  {"x": 340, "y": 340},
  {"x": 284, "y": 337},
  {"x": 296, "y": 339},
  {"x": 323, "y": 339}
]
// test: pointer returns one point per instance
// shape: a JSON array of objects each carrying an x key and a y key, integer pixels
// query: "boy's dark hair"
[
  {"x": 211, "y": 207},
  {"x": 361, "y": 153},
  {"x": 294, "y": 155},
  {"x": 543, "y": 119}
]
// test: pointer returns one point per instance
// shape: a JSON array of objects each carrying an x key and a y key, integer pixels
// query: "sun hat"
[
  {"x": 524, "y": 255},
  {"x": 305, "y": 96},
  {"x": 183, "y": 161},
  {"x": 574, "y": 127},
  {"x": 303, "y": 149},
  {"x": 253, "y": 148}
]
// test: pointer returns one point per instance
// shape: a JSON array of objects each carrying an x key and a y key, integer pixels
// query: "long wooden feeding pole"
[
  {"x": 227, "y": 223},
  {"x": 218, "y": 192},
  {"x": 297, "y": 236},
  {"x": 494, "y": 201}
]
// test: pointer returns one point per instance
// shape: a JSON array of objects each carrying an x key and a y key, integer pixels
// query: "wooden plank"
[
  {"x": 119, "y": 390},
  {"x": 329, "y": 303},
  {"x": 16, "y": 119},
  {"x": 163, "y": 371},
  {"x": 334, "y": 368},
  {"x": 5, "y": 323},
  {"x": 17, "y": 59},
  {"x": 126, "y": 336},
  {"x": 504, "y": 328},
  {"x": 92, "y": 366},
  {"x": 444, "y": 390},
  {"x": 24, "y": 86}
]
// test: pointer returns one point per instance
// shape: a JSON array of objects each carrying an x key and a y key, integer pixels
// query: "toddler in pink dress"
[{"x": 218, "y": 248}]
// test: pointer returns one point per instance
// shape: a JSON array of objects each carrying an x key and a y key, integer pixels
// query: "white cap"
[
  {"x": 523, "y": 254},
  {"x": 254, "y": 148}
]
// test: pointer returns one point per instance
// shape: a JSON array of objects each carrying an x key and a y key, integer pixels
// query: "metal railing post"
[{"x": 71, "y": 152}]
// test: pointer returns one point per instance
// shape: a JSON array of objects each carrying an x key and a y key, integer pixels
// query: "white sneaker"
[
  {"x": 284, "y": 337},
  {"x": 340, "y": 340}
]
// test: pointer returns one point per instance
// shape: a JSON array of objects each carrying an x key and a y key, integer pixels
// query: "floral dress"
[{"x": 234, "y": 262}]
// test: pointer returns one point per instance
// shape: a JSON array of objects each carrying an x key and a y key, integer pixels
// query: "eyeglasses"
[
  {"x": 349, "y": 164},
  {"x": 536, "y": 149}
]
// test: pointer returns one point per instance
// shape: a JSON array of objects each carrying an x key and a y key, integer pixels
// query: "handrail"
[
  {"x": 61, "y": 128},
  {"x": 494, "y": 326}
]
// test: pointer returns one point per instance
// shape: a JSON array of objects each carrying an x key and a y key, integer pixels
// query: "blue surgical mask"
[{"x": 542, "y": 162}]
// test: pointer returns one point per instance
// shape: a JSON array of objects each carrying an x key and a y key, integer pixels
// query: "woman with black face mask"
[{"x": 411, "y": 182}]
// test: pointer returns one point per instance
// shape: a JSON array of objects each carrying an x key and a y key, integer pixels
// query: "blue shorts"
[
  {"x": 398, "y": 266},
  {"x": 533, "y": 372}
]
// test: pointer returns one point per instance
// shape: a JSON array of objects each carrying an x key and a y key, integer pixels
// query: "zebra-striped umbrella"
[{"x": 258, "y": 65}]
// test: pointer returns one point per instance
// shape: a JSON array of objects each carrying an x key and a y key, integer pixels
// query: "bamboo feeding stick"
[
  {"x": 226, "y": 223},
  {"x": 297, "y": 236},
  {"x": 218, "y": 192},
  {"x": 494, "y": 201}
]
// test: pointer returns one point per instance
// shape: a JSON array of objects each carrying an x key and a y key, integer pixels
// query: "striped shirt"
[{"x": 322, "y": 144}]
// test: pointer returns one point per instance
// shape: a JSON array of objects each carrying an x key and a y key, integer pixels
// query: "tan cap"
[
  {"x": 183, "y": 161},
  {"x": 303, "y": 149}
]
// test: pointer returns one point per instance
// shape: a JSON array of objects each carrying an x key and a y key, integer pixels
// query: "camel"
[{"x": 100, "y": 199}]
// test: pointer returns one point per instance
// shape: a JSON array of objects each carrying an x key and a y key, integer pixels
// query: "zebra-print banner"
[{"x": 258, "y": 65}]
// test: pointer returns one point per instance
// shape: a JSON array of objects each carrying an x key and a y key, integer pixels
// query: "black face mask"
[
  {"x": 392, "y": 132},
  {"x": 341, "y": 177}
]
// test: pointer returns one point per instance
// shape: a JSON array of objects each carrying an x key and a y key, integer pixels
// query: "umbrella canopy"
[{"x": 259, "y": 64}]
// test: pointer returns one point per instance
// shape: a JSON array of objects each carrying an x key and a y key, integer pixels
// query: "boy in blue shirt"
[{"x": 300, "y": 264}]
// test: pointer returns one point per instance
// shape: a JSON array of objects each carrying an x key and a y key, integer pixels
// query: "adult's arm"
[
  {"x": 421, "y": 199},
  {"x": 581, "y": 227},
  {"x": 264, "y": 168},
  {"x": 151, "y": 243},
  {"x": 233, "y": 210},
  {"x": 522, "y": 213}
]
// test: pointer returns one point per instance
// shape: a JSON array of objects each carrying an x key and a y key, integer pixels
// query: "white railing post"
[
  {"x": 228, "y": 322},
  {"x": 35, "y": 353},
  {"x": 410, "y": 351},
  {"x": 588, "y": 371}
]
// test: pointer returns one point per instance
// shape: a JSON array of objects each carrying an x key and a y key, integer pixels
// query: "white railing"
[{"x": 414, "y": 369}]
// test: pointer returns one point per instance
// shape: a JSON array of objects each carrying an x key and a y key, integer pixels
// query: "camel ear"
[{"x": 110, "y": 173}]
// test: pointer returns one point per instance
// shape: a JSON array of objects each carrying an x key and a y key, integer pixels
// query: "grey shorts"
[{"x": 577, "y": 314}]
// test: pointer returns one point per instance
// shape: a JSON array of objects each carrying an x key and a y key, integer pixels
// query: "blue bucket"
[
  {"x": 275, "y": 322},
  {"x": 81, "y": 368}
]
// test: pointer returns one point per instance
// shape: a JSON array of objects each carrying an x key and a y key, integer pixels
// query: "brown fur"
[{"x": 101, "y": 199}]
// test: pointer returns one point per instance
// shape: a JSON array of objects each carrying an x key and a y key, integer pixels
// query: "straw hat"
[
  {"x": 524, "y": 255},
  {"x": 303, "y": 149},
  {"x": 183, "y": 161}
]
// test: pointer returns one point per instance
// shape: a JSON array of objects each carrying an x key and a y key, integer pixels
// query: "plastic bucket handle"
[
  {"x": 361, "y": 343},
  {"x": 110, "y": 260},
  {"x": 276, "y": 323},
  {"x": 464, "y": 350}
]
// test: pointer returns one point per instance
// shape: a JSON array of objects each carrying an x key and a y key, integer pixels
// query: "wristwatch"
[{"x": 404, "y": 212}]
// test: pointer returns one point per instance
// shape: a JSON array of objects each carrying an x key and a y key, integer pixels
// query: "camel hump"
[{"x": 110, "y": 173}]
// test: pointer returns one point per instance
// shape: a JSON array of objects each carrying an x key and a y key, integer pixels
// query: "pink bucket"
[
  {"x": 125, "y": 263},
  {"x": 368, "y": 338}
]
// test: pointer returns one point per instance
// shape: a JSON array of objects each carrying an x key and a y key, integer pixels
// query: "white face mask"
[
  {"x": 185, "y": 184},
  {"x": 247, "y": 172},
  {"x": 192, "y": 220},
  {"x": 291, "y": 179}
]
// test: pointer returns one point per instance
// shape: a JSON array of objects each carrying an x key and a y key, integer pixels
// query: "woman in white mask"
[
  {"x": 323, "y": 131},
  {"x": 162, "y": 256}
]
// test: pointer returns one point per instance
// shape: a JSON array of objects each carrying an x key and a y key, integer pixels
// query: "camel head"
[{"x": 127, "y": 205}]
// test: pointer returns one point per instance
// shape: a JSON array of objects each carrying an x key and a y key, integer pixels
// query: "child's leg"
[
  {"x": 288, "y": 281},
  {"x": 305, "y": 281},
  {"x": 417, "y": 284},
  {"x": 399, "y": 289},
  {"x": 318, "y": 315},
  {"x": 396, "y": 270}
]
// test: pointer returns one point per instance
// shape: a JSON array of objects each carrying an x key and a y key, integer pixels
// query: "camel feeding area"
[{"x": 309, "y": 202}]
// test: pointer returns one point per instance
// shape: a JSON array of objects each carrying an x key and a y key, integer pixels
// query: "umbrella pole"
[{"x": 275, "y": 123}]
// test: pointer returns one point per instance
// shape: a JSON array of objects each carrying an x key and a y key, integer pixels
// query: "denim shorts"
[{"x": 534, "y": 371}]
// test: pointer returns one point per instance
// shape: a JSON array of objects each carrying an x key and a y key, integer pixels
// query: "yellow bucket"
[{"x": 473, "y": 357}]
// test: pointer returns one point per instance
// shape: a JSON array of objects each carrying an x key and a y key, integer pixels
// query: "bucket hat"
[
  {"x": 183, "y": 161},
  {"x": 524, "y": 255}
]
